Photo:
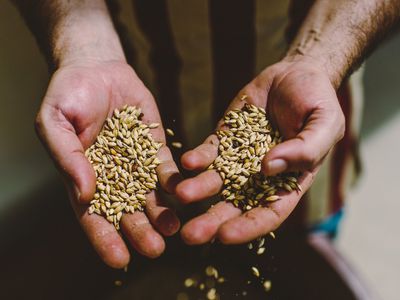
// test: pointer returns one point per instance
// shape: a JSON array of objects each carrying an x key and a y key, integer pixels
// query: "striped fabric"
[{"x": 196, "y": 55}]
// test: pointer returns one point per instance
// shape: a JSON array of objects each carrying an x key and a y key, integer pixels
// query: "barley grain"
[
  {"x": 255, "y": 271},
  {"x": 267, "y": 285},
  {"x": 170, "y": 132},
  {"x": 176, "y": 145}
]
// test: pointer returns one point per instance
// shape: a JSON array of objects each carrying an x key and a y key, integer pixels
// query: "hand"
[
  {"x": 81, "y": 95},
  {"x": 302, "y": 104}
]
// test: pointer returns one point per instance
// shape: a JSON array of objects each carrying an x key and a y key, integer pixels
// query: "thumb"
[
  {"x": 60, "y": 139},
  {"x": 307, "y": 149}
]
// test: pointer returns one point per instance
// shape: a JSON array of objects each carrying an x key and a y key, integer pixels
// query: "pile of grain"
[
  {"x": 124, "y": 159},
  {"x": 243, "y": 144}
]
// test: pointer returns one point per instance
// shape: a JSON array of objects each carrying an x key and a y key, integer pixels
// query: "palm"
[
  {"x": 302, "y": 104},
  {"x": 87, "y": 95},
  {"x": 78, "y": 100},
  {"x": 301, "y": 98}
]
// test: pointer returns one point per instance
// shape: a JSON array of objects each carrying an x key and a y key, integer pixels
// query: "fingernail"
[
  {"x": 77, "y": 193},
  {"x": 169, "y": 222},
  {"x": 276, "y": 166}
]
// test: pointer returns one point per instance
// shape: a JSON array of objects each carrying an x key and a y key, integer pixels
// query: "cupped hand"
[
  {"x": 79, "y": 98},
  {"x": 302, "y": 104}
]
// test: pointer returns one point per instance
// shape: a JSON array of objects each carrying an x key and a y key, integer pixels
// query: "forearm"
[
  {"x": 75, "y": 30},
  {"x": 339, "y": 34}
]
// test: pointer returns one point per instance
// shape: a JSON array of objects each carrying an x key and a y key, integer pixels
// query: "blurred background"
[{"x": 368, "y": 238}]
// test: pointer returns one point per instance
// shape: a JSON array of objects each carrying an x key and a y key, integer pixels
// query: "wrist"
[
  {"x": 90, "y": 37},
  {"x": 317, "y": 59}
]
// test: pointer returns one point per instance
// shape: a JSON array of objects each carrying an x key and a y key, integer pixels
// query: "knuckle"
[
  {"x": 277, "y": 220},
  {"x": 252, "y": 216}
]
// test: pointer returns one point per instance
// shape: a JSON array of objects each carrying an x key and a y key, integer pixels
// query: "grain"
[
  {"x": 189, "y": 282},
  {"x": 124, "y": 160},
  {"x": 255, "y": 271},
  {"x": 211, "y": 294},
  {"x": 118, "y": 283},
  {"x": 267, "y": 285},
  {"x": 207, "y": 284},
  {"x": 211, "y": 271},
  {"x": 177, "y": 145},
  {"x": 260, "y": 250},
  {"x": 170, "y": 132},
  {"x": 242, "y": 145}
]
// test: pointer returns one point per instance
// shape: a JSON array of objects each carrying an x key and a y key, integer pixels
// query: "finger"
[
  {"x": 203, "y": 228},
  {"x": 202, "y": 156},
  {"x": 167, "y": 171},
  {"x": 160, "y": 216},
  {"x": 103, "y": 236},
  {"x": 142, "y": 236},
  {"x": 262, "y": 220},
  {"x": 308, "y": 148},
  {"x": 60, "y": 139},
  {"x": 255, "y": 93},
  {"x": 203, "y": 186}
]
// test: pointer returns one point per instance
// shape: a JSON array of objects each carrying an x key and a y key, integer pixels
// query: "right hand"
[
  {"x": 81, "y": 95},
  {"x": 301, "y": 102}
]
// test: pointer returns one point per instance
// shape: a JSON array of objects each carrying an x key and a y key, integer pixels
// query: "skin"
[
  {"x": 79, "y": 98},
  {"x": 304, "y": 115},
  {"x": 91, "y": 78},
  {"x": 299, "y": 94}
]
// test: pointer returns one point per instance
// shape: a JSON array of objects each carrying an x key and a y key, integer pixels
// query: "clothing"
[{"x": 196, "y": 55}]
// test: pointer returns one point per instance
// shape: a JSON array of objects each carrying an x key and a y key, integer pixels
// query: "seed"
[
  {"x": 123, "y": 145},
  {"x": 267, "y": 285},
  {"x": 170, "y": 132},
  {"x": 260, "y": 250},
  {"x": 211, "y": 271},
  {"x": 211, "y": 294},
  {"x": 141, "y": 197},
  {"x": 153, "y": 125},
  {"x": 255, "y": 271},
  {"x": 176, "y": 145},
  {"x": 189, "y": 282},
  {"x": 244, "y": 97},
  {"x": 272, "y": 198},
  {"x": 272, "y": 234},
  {"x": 287, "y": 187},
  {"x": 118, "y": 282}
]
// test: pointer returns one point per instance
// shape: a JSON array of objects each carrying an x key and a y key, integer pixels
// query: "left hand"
[
  {"x": 302, "y": 104},
  {"x": 81, "y": 95}
]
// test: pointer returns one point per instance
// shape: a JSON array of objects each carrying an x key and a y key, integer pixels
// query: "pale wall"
[{"x": 23, "y": 78}]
